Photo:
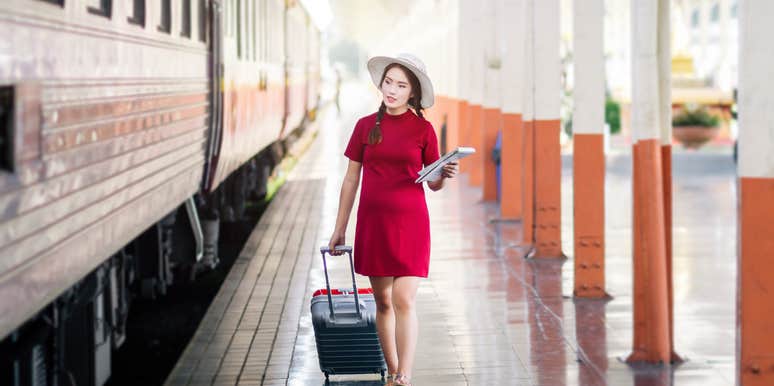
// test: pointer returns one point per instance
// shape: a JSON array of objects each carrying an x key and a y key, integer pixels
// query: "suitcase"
[{"x": 347, "y": 342}]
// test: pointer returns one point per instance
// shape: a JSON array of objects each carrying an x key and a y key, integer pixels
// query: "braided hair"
[{"x": 375, "y": 135}]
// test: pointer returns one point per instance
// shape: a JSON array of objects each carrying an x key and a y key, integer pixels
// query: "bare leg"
[
  {"x": 385, "y": 320},
  {"x": 404, "y": 291}
]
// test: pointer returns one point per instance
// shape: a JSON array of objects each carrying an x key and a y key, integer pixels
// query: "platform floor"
[{"x": 487, "y": 315}]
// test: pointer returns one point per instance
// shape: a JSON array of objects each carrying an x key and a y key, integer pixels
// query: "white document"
[{"x": 433, "y": 171}]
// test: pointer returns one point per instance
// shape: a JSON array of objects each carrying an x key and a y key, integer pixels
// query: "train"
[{"x": 130, "y": 131}]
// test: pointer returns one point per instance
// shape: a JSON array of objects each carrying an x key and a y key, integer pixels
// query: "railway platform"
[{"x": 487, "y": 314}]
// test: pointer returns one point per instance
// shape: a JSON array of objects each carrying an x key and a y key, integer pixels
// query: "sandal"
[
  {"x": 390, "y": 380},
  {"x": 402, "y": 380}
]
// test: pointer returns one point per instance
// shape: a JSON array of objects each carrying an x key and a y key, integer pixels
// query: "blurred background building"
[{"x": 704, "y": 52}]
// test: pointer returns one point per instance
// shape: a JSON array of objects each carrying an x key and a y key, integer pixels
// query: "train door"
[
  {"x": 286, "y": 66},
  {"x": 215, "y": 17}
]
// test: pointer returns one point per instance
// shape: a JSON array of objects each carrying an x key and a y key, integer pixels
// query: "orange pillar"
[
  {"x": 453, "y": 124},
  {"x": 651, "y": 314},
  {"x": 666, "y": 173},
  {"x": 464, "y": 133},
  {"x": 548, "y": 200},
  {"x": 511, "y": 169},
  {"x": 492, "y": 118},
  {"x": 476, "y": 141},
  {"x": 649, "y": 97},
  {"x": 434, "y": 114},
  {"x": 545, "y": 88},
  {"x": 589, "y": 214},
  {"x": 528, "y": 182},
  {"x": 756, "y": 280}
]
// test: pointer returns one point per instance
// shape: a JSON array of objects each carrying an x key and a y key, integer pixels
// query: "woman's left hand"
[{"x": 449, "y": 170}]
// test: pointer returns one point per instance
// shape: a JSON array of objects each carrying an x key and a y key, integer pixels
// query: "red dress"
[{"x": 392, "y": 235}]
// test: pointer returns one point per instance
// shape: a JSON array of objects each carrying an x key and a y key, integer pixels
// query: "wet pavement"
[{"x": 487, "y": 315}]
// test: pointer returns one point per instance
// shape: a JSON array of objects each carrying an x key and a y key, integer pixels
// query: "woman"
[{"x": 392, "y": 235}]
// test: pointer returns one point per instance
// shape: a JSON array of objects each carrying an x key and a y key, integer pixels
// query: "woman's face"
[{"x": 396, "y": 89}]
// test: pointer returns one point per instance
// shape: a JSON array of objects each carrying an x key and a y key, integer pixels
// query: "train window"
[
  {"x": 57, "y": 2},
  {"x": 100, "y": 7},
  {"x": 165, "y": 21},
  {"x": 203, "y": 20},
  {"x": 248, "y": 28},
  {"x": 239, "y": 28},
  {"x": 185, "y": 25},
  {"x": 6, "y": 129},
  {"x": 253, "y": 36},
  {"x": 228, "y": 9},
  {"x": 138, "y": 13}
]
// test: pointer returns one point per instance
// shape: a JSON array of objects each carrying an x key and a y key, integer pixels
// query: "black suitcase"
[{"x": 346, "y": 337}]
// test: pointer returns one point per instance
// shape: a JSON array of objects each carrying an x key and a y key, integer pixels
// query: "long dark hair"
[{"x": 375, "y": 135}]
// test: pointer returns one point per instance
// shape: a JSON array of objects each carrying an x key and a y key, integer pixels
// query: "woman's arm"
[
  {"x": 449, "y": 170},
  {"x": 346, "y": 201}
]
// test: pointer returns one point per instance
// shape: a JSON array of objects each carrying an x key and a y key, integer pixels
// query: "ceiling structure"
[{"x": 367, "y": 22}]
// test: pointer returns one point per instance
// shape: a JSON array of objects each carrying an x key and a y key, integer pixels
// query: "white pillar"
[
  {"x": 512, "y": 70},
  {"x": 492, "y": 54},
  {"x": 645, "y": 83},
  {"x": 464, "y": 44},
  {"x": 589, "y": 94},
  {"x": 547, "y": 61},
  {"x": 664, "y": 52},
  {"x": 756, "y": 98},
  {"x": 476, "y": 52}
]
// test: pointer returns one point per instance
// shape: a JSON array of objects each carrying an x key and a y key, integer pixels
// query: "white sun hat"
[{"x": 377, "y": 64}]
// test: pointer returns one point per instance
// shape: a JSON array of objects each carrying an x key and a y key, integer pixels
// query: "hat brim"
[{"x": 377, "y": 64}]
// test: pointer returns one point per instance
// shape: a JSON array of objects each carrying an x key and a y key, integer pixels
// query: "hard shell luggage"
[{"x": 344, "y": 322}]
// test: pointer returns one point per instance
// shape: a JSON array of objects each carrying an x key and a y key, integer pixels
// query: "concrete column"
[
  {"x": 464, "y": 44},
  {"x": 528, "y": 153},
  {"x": 451, "y": 55},
  {"x": 477, "y": 68},
  {"x": 588, "y": 149},
  {"x": 512, "y": 104},
  {"x": 492, "y": 114},
  {"x": 548, "y": 163},
  {"x": 651, "y": 319},
  {"x": 755, "y": 312},
  {"x": 664, "y": 52}
]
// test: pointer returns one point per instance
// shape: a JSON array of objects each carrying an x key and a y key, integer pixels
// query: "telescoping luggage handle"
[{"x": 340, "y": 248}]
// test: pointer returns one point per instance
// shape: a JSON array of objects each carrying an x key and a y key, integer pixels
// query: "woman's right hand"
[{"x": 337, "y": 238}]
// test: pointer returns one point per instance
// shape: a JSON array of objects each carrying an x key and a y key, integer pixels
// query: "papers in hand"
[{"x": 433, "y": 171}]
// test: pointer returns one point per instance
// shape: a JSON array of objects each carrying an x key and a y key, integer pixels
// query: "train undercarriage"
[{"x": 73, "y": 339}]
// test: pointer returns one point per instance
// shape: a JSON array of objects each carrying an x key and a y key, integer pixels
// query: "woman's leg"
[
  {"x": 385, "y": 320},
  {"x": 404, "y": 291}
]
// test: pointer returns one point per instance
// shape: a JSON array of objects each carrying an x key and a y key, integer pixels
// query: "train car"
[
  {"x": 313, "y": 77},
  {"x": 125, "y": 123},
  {"x": 296, "y": 22},
  {"x": 277, "y": 98}
]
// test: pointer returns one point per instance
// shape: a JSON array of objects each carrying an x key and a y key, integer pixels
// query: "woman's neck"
[{"x": 398, "y": 110}]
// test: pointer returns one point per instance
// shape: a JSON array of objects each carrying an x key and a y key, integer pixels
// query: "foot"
[
  {"x": 390, "y": 380},
  {"x": 402, "y": 380}
]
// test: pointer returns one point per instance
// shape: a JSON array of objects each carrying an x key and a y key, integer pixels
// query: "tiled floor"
[{"x": 487, "y": 315}]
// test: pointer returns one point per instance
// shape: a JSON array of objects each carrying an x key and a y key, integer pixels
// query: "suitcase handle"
[{"x": 340, "y": 248}]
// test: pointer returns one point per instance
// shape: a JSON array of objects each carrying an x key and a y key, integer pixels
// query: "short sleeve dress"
[{"x": 392, "y": 235}]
